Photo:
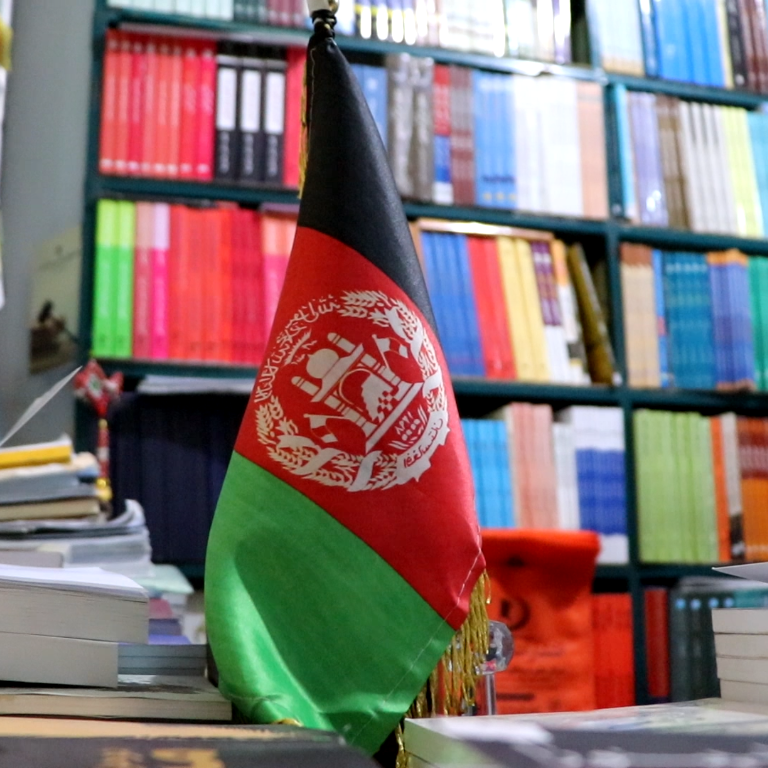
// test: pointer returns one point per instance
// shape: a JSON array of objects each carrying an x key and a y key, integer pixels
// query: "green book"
[
  {"x": 645, "y": 484},
  {"x": 103, "y": 323},
  {"x": 123, "y": 295},
  {"x": 704, "y": 489},
  {"x": 757, "y": 322}
]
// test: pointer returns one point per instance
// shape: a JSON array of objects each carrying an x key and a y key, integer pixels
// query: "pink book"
[
  {"x": 545, "y": 513},
  {"x": 161, "y": 243},
  {"x": 174, "y": 109},
  {"x": 278, "y": 236},
  {"x": 206, "y": 101},
  {"x": 212, "y": 280},
  {"x": 142, "y": 282}
]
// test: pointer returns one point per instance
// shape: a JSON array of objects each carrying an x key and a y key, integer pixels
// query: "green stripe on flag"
[{"x": 303, "y": 612}]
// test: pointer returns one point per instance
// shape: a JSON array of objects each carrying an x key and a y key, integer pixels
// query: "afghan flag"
[{"x": 344, "y": 581}]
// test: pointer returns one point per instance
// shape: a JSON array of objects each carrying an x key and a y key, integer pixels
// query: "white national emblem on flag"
[{"x": 352, "y": 394}]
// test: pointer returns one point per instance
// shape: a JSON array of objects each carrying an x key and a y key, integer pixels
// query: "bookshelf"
[{"x": 476, "y": 397}]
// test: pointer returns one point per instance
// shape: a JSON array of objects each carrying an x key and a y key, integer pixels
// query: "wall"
[{"x": 41, "y": 188}]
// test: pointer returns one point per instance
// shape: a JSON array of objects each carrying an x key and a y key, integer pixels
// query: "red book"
[
  {"x": 297, "y": 58},
  {"x": 190, "y": 77},
  {"x": 657, "y": 642},
  {"x": 175, "y": 85},
  {"x": 197, "y": 289},
  {"x": 162, "y": 145},
  {"x": 109, "y": 93},
  {"x": 226, "y": 283},
  {"x": 623, "y": 651},
  {"x": 278, "y": 232},
  {"x": 160, "y": 257},
  {"x": 214, "y": 291},
  {"x": 441, "y": 110},
  {"x": 142, "y": 282},
  {"x": 150, "y": 110},
  {"x": 253, "y": 269},
  {"x": 239, "y": 285},
  {"x": 178, "y": 283},
  {"x": 206, "y": 113},
  {"x": 123, "y": 117},
  {"x": 481, "y": 283},
  {"x": 136, "y": 107}
]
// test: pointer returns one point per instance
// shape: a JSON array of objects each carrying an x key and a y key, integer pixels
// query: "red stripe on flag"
[{"x": 354, "y": 408}]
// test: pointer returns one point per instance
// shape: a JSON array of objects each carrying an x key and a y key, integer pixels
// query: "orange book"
[
  {"x": 294, "y": 79},
  {"x": 150, "y": 108},
  {"x": 721, "y": 492},
  {"x": 109, "y": 92},
  {"x": 190, "y": 76},
  {"x": 239, "y": 286},
  {"x": 749, "y": 481},
  {"x": 122, "y": 117}
]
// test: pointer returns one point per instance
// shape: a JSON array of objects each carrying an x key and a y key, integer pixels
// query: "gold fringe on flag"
[{"x": 451, "y": 687}]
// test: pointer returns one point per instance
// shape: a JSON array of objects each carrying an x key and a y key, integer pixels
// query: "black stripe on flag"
[{"x": 349, "y": 192}]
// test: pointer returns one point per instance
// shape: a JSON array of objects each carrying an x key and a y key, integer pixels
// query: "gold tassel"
[{"x": 451, "y": 687}]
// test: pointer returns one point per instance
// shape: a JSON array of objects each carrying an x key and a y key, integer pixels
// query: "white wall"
[{"x": 41, "y": 190}]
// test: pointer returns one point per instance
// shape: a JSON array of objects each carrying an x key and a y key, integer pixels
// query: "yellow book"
[
  {"x": 56, "y": 451},
  {"x": 730, "y": 124},
  {"x": 532, "y": 304},
  {"x": 749, "y": 180},
  {"x": 513, "y": 297}
]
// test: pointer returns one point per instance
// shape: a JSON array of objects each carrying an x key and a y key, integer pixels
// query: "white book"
[
  {"x": 197, "y": 8},
  {"x": 742, "y": 646},
  {"x": 227, "y": 10},
  {"x": 164, "y": 6},
  {"x": 723, "y": 185},
  {"x": 120, "y": 3},
  {"x": 213, "y": 9},
  {"x": 144, "y": 5},
  {"x": 527, "y": 144},
  {"x": 566, "y": 473},
  {"x": 733, "y": 479},
  {"x": 707, "y": 167},
  {"x": 183, "y": 7},
  {"x": 57, "y": 660},
  {"x": 747, "y": 621},
  {"x": 751, "y": 693},
  {"x": 86, "y": 603},
  {"x": 692, "y": 180}
]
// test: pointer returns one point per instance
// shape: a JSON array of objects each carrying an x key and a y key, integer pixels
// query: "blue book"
[
  {"x": 620, "y": 491},
  {"x": 469, "y": 306},
  {"x": 719, "y": 304},
  {"x": 696, "y": 41},
  {"x": 650, "y": 46},
  {"x": 746, "y": 334},
  {"x": 488, "y": 471},
  {"x": 672, "y": 303},
  {"x": 497, "y": 140},
  {"x": 456, "y": 306},
  {"x": 436, "y": 290},
  {"x": 626, "y": 152},
  {"x": 481, "y": 100},
  {"x": 505, "y": 518},
  {"x": 711, "y": 44},
  {"x": 704, "y": 322},
  {"x": 671, "y": 39},
  {"x": 508, "y": 128},
  {"x": 758, "y": 131},
  {"x": 665, "y": 374},
  {"x": 470, "y": 439},
  {"x": 585, "y": 481},
  {"x": 443, "y": 183},
  {"x": 375, "y": 90}
]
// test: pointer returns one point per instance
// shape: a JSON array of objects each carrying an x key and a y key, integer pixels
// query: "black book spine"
[
  {"x": 736, "y": 44},
  {"x": 251, "y": 121},
  {"x": 274, "y": 121},
  {"x": 226, "y": 118}
]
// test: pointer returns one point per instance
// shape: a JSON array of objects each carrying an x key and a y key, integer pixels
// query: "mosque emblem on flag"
[{"x": 352, "y": 394}]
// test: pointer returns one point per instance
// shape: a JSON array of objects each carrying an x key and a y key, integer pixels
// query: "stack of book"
[
  {"x": 691, "y": 165},
  {"x": 535, "y": 469},
  {"x": 175, "y": 282},
  {"x": 741, "y": 645},
  {"x": 720, "y": 43}
]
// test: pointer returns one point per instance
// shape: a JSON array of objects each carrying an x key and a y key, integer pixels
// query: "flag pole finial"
[{"x": 323, "y": 14}]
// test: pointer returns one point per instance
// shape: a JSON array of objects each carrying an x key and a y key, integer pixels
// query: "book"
[
  {"x": 741, "y": 646},
  {"x": 85, "y": 505},
  {"x": 64, "y": 743},
  {"x": 89, "y": 604},
  {"x": 748, "y": 621},
  {"x": 55, "y": 451},
  {"x": 136, "y": 697},
  {"x": 28, "y": 658}
]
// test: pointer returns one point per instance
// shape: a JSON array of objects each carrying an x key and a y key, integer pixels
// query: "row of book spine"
[
  {"x": 520, "y": 305},
  {"x": 691, "y": 165},
  {"x": 719, "y": 43},
  {"x": 702, "y": 486},
  {"x": 532, "y": 29},
  {"x": 694, "y": 320},
  {"x": 174, "y": 282},
  {"x": 536, "y": 469}
]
